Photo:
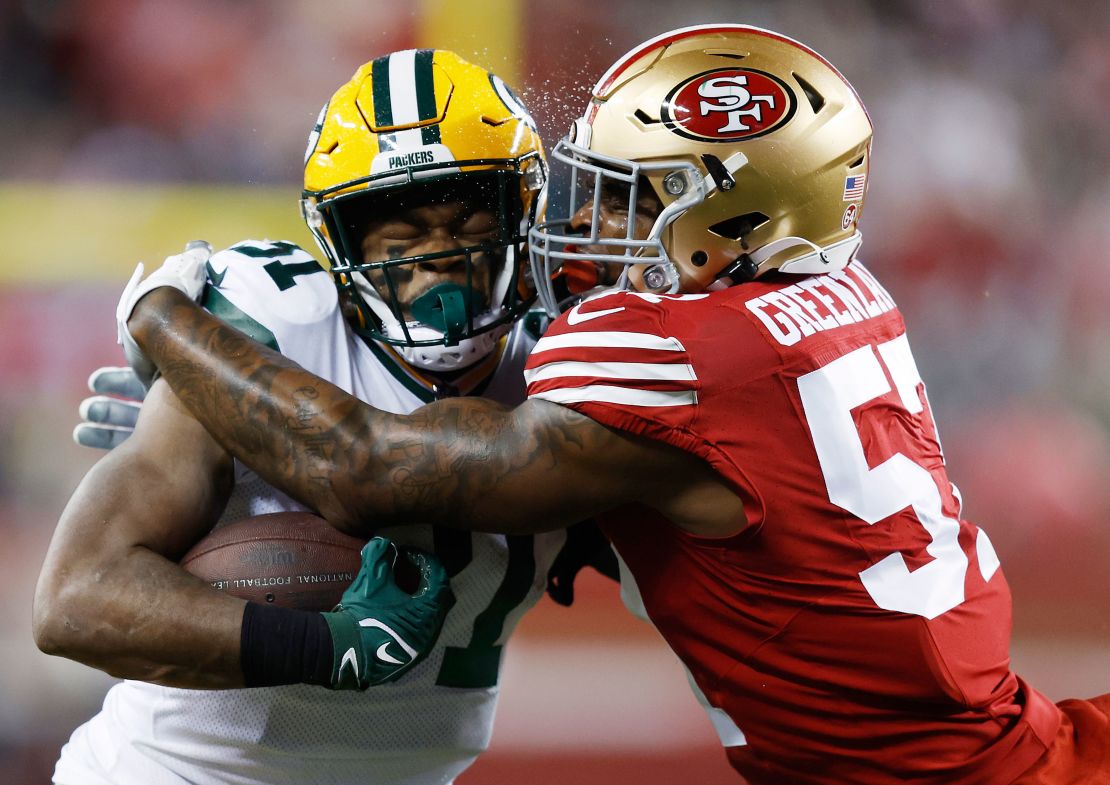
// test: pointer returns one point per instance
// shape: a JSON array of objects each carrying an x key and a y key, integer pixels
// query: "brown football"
[{"x": 291, "y": 559}]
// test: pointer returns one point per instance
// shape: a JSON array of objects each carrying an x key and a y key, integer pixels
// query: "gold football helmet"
[
  {"x": 756, "y": 147},
  {"x": 425, "y": 125}
]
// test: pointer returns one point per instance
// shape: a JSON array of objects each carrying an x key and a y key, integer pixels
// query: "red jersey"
[{"x": 857, "y": 631}]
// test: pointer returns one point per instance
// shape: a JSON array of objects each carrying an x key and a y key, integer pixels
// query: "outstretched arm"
[{"x": 466, "y": 462}]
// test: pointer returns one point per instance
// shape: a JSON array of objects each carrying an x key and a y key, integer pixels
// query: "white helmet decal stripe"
[
  {"x": 402, "y": 98},
  {"x": 402, "y": 87}
]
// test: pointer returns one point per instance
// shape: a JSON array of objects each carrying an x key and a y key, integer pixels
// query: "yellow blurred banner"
[
  {"x": 486, "y": 32},
  {"x": 97, "y": 232}
]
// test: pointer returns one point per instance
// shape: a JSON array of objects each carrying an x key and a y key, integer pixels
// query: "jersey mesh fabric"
[
  {"x": 410, "y": 732},
  {"x": 825, "y": 678}
]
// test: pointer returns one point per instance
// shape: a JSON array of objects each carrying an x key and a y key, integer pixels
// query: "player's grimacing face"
[
  {"x": 429, "y": 229},
  {"x": 613, "y": 219}
]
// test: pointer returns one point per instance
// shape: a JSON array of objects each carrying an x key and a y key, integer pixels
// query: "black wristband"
[{"x": 284, "y": 646}]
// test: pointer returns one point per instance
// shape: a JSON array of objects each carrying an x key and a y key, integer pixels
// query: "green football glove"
[{"x": 379, "y": 631}]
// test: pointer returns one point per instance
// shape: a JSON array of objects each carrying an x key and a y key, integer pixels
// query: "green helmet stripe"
[
  {"x": 383, "y": 102},
  {"x": 426, "y": 95},
  {"x": 429, "y": 134},
  {"x": 425, "y": 86}
]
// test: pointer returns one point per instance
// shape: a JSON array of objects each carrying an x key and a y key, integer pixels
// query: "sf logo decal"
[
  {"x": 730, "y": 94},
  {"x": 728, "y": 105}
]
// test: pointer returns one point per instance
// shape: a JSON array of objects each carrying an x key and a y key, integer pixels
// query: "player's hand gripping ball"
[{"x": 380, "y": 630}]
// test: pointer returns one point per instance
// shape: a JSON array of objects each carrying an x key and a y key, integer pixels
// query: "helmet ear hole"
[
  {"x": 739, "y": 225},
  {"x": 699, "y": 258}
]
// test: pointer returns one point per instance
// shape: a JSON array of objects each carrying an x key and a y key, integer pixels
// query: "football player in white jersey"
[{"x": 422, "y": 176}]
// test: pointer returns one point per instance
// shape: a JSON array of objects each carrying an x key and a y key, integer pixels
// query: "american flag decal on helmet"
[
  {"x": 853, "y": 187},
  {"x": 622, "y": 368}
]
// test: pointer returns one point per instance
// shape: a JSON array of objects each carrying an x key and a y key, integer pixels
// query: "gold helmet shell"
[
  {"x": 756, "y": 146},
  {"x": 404, "y": 122}
]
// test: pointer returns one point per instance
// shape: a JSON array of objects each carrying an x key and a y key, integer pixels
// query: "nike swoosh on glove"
[{"x": 380, "y": 631}]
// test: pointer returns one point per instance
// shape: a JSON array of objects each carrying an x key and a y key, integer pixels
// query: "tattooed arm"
[{"x": 465, "y": 462}]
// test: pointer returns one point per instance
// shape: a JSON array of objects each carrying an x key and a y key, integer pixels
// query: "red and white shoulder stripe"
[{"x": 629, "y": 364}]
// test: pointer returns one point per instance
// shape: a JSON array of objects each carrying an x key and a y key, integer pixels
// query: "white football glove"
[
  {"x": 185, "y": 272},
  {"x": 109, "y": 417}
]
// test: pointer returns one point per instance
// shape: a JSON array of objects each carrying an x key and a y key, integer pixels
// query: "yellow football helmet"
[
  {"x": 756, "y": 146},
  {"x": 425, "y": 124}
]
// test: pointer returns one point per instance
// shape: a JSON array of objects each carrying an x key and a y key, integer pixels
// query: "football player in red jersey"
[{"x": 742, "y": 411}]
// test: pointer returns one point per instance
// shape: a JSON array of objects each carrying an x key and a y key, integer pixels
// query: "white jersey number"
[{"x": 829, "y": 395}]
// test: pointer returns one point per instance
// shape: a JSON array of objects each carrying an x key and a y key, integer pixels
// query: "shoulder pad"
[
  {"x": 267, "y": 288},
  {"x": 263, "y": 253}
]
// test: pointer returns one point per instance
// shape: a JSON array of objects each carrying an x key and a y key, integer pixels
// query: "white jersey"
[{"x": 424, "y": 728}]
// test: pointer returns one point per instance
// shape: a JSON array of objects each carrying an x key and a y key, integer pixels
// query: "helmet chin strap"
[
  {"x": 449, "y": 358},
  {"x": 829, "y": 259},
  {"x": 435, "y": 357}
]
